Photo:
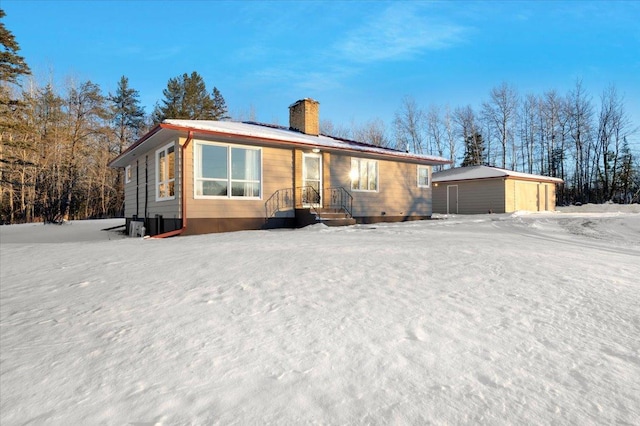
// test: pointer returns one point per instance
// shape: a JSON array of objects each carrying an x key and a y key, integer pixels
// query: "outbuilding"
[{"x": 484, "y": 189}]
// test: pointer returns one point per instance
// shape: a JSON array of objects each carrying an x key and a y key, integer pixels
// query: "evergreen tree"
[
  {"x": 474, "y": 150},
  {"x": 127, "y": 114},
  {"x": 625, "y": 174},
  {"x": 12, "y": 65},
  {"x": 219, "y": 106},
  {"x": 186, "y": 97},
  {"x": 14, "y": 138},
  {"x": 127, "y": 122}
]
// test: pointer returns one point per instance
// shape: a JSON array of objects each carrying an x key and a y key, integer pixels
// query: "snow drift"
[{"x": 495, "y": 319}]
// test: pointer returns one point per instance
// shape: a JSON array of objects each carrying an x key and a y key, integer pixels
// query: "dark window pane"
[
  {"x": 214, "y": 162},
  {"x": 214, "y": 188}
]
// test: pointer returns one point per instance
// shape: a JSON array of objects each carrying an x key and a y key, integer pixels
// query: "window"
[
  {"x": 423, "y": 177},
  {"x": 364, "y": 175},
  {"x": 227, "y": 171},
  {"x": 127, "y": 174},
  {"x": 166, "y": 173}
]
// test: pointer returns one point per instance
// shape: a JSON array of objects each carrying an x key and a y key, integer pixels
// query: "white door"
[
  {"x": 312, "y": 180},
  {"x": 452, "y": 199}
]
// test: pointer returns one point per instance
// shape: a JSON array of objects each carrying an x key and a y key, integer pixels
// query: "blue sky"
[{"x": 357, "y": 58}]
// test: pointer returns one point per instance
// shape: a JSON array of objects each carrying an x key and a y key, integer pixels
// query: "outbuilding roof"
[
  {"x": 272, "y": 133},
  {"x": 486, "y": 172}
]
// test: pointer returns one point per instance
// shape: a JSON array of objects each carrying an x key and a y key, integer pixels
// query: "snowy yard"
[{"x": 489, "y": 319}]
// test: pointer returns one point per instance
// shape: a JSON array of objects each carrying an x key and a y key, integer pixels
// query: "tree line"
[
  {"x": 571, "y": 136},
  {"x": 56, "y": 144}
]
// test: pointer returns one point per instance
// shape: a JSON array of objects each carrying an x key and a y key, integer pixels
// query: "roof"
[
  {"x": 271, "y": 133},
  {"x": 486, "y": 172}
]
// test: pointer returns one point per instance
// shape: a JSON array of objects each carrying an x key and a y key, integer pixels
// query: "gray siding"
[
  {"x": 169, "y": 208},
  {"x": 479, "y": 196}
]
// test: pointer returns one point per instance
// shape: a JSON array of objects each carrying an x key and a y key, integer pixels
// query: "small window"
[
  {"x": 166, "y": 173},
  {"x": 127, "y": 174},
  {"x": 423, "y": 177},
  {"x": 364, "y": 174}
]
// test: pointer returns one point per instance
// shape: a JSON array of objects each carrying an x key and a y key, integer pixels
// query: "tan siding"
[
  {"x": 552, "y": 196},
  {"x": 534, "y": 196},
  {"x": 277, "y": 167},
  {"x": 326, "y": 170},
  {"x": 297, "y": 168},
  {"x": 510, "y": 195},
  {"x": 526, "y": 196},
  {"x": 398, "y": 193}
]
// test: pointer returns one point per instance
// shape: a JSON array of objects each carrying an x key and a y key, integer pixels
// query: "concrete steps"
[{"x": 329, "y": 217}]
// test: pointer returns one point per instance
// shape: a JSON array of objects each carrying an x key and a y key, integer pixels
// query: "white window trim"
[
  {"x": 377, "y": 175},
  {"x": 158, "y": 182},
  {"x": 127, "y": 174},
  {"x": 420, "y": 166},
  {"x": 229, "y": 196}
]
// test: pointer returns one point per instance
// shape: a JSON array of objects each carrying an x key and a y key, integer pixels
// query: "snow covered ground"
[{"x": 488, "y": 319}]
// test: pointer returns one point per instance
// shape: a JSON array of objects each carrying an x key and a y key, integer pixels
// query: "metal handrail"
[
  {"x": 309, "y": 196},
  {"x": 280, "y": 200},
  {"x": 334, "y": 197},
  {"x": 339, "y": 198}
]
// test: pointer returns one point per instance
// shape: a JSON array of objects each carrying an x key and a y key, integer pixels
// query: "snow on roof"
[
  {"x": 279, "y": 133},
  {"x": 486, "y": 172}
]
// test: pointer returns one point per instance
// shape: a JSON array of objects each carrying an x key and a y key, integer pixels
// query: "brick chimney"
[{"x": 304, "y": 116}]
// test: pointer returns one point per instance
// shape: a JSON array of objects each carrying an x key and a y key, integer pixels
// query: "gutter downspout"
[{"x": 183, "y": 191}]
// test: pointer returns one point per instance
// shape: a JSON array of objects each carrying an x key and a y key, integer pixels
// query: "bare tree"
[
  {"x": 529, "y": 132},
  {"x": 85, "y": 114},
  {"x": 373, "y": 132},
  {"x": 501, "y": 112},
  {"x": 328, "y": 128},
  {"x": 579, "y": 110},
  {"x": 448, "y": 122},
  {"x": 614, "y": 127},
  {"x": 410, "y": 125},
  {"x": 436, "y": 132},
  {"x": 472, "y": 139}
]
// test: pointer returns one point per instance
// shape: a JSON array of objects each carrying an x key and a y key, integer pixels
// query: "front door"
[{"x": 311, "y": 180}]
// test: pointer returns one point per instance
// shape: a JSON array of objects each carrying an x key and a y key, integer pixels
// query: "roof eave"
[
  {"x": 116, "y": 162},
  {"x": 529, "y": 179}
]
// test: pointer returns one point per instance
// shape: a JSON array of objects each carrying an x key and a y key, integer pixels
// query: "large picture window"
[
  {"x": 166, "y": 173},
  {"x": 364, "y": 174},
  {"x": 227, "y": 171},
  {"x": 423, "y": 177}
]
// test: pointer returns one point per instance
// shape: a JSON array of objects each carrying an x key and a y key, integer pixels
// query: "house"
[
  {"x": 195, "y": 176},
  {"x": 483, "y": 189}
]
